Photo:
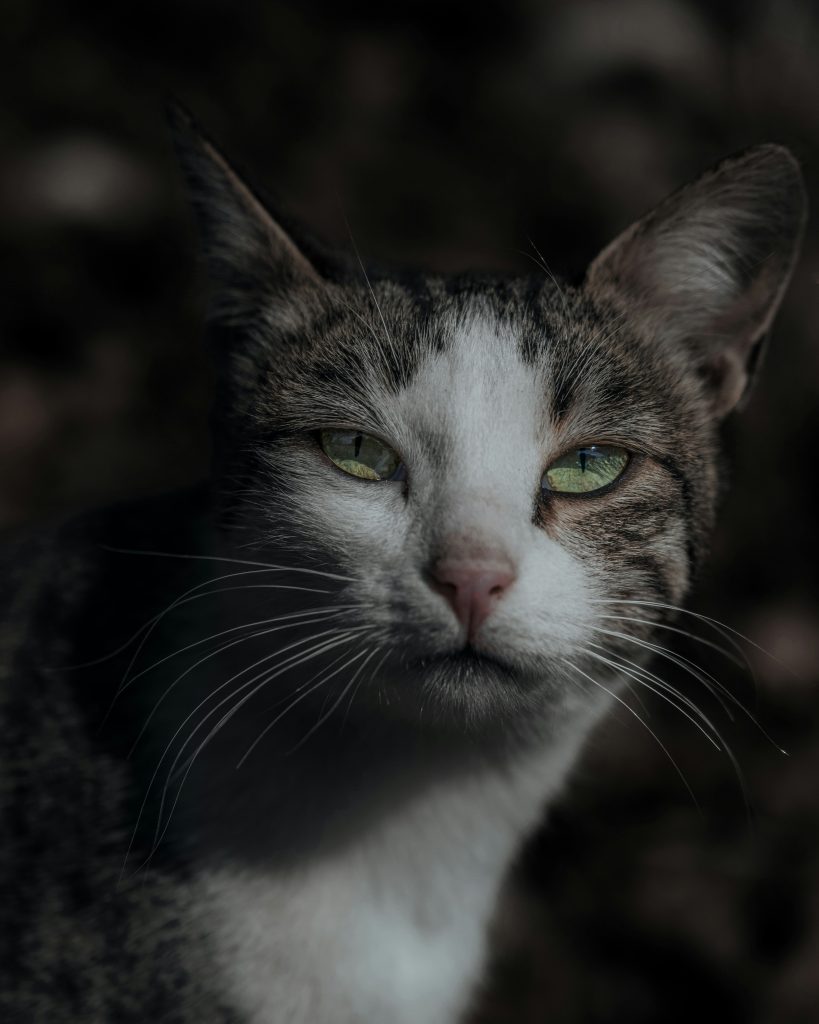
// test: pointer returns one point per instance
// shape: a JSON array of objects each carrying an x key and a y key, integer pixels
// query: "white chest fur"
[{"x": 391, "y": 930}]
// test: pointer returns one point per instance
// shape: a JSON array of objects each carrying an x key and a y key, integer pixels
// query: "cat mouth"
[{"x": 467, "y": 659}]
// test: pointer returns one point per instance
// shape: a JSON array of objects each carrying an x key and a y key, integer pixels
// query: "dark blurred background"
[{"x": 457, "y": 136}]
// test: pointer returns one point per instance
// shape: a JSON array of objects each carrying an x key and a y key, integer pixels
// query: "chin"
[{"x": 470, "y": 691}]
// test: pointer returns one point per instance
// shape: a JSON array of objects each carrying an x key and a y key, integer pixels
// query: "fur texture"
[{"x": 295, "y": 793}]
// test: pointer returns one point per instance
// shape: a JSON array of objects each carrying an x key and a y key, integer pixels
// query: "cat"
[{"x": 271, "y": 745}]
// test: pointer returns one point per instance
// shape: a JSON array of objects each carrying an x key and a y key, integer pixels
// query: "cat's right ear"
[
  {"x": 706, "y": 270},
  {"x": 250, "y": 256}
]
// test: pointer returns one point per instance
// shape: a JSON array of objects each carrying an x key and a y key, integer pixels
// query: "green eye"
[
  {"x": 361, "y": 455},
  {"x": 585, "y": 469}
]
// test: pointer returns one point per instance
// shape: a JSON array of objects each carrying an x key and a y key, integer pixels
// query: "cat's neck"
[
  {"x": 294, "y": 800},
  {"x": 410, "y": 900}
]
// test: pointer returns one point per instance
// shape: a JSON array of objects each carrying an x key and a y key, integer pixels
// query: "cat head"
[{"x": 513, "y": 479}]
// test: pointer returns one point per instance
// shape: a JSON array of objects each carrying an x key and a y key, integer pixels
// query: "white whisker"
[
  {"x": 390, "y": 343},
  {"x": 221, "y": 649},
  {"x": 324, "y": 716},
  {"x": 658, "y": 687},
  {"x": 541, "y": 262},
  {"x": 713, "y": 685},
  {"x": 645, "y": 725},
  {"x": 289, "y": 662},
  {"x": 372, "y": 676},
  {"x": 185, "y": 598},
  {"x": 185, "y": 769},
  {"x": 710, "y": 682},
  {"x": 269, "y": 566},
  {"x": 291, "y": 618},
  {"x": 738, "y": 661},
  {"x": 726, "y": 631}
]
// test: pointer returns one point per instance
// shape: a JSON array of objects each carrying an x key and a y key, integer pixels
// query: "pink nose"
[{"x": 471, "y": 586}]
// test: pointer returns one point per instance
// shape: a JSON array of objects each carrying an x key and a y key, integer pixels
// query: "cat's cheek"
[
  {"x": 362, "y": 523},
  {"x": 634, "y": 537},
  {"x": 546, "y": 615}
]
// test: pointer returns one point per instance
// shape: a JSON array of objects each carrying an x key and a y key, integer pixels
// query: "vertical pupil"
[
  {"x": 357, "y": 443},
  {"x": 583, "y": 457}
]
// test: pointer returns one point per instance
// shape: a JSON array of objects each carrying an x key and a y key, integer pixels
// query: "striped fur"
[{"x": 347, "y": 868}]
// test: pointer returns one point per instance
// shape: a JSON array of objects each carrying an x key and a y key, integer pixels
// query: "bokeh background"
[{"x": 452, "y": 136}]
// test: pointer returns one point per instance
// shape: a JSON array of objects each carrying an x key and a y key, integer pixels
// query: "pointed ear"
[
  {"x": 708, "y": 267},
  {"x": 249, "y": 254}
]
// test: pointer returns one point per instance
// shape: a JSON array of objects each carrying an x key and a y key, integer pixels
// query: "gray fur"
[{"x": 347, "y": 870}]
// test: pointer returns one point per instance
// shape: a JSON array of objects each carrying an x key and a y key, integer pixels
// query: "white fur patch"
[{"x": 392, "y": 930}]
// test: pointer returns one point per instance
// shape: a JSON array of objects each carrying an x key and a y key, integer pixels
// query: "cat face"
[
  {"x": 515, "y": 480},
  {"x": 481, "y": 578}
]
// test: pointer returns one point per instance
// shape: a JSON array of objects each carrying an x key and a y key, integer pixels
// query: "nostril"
[{"x": 445, "y": 589}]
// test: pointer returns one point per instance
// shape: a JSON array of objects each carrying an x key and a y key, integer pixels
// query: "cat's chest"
[
  {"x": 393, "y": 929},
  {"x": 321, "y": 950}
]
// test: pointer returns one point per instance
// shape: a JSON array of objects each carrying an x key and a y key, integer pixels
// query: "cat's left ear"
[
  {"x": 249, "y": 254},
  {"x": 708, "y": 267}
]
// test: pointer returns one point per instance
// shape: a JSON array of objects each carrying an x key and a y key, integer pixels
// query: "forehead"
[
  {"x": 477, "y": 387},
  {"x": 518, "y": 388},
  {"x": 481, "y": 366},
  {"x": 476, "y": 413}
]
